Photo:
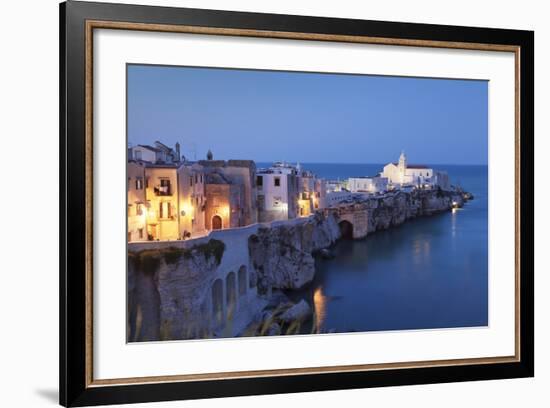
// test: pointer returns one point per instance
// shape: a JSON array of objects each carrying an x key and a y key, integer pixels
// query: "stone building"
[
  {"x": 311, "y": 192},
  {"x": 191, "y": 200},
  {"x": 224, "y": 203},
  {"x": 137, "y": 210},
  {"x": 161, "y": 192},
  {"x": 238, "y": 172}
]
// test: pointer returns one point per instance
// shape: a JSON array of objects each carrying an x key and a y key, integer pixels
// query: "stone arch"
[
  {"x": 231, "y": 293},
  {"x": 346, "y": 229},
  {"x": 242, "y": 280},
  {"x": 217, "y": 222},
  {"x": 217, "y": 301}
]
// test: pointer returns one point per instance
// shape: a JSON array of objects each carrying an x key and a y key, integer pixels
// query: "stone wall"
[{"x": 194, "y": 289}]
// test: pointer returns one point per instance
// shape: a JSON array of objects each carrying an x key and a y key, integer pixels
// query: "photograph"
[{"x": 277, "y": 203}]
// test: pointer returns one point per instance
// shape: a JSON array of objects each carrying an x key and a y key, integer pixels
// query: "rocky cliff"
[
  {"x": 282, "y": 256},
  {"x": 395, "y": 209},
  {"x": 169, "y": 291}
]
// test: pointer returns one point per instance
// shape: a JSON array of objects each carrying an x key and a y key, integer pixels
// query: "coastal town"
[
  {"x": 215, "y": 247},
  {"x": 171, "y": 198}
]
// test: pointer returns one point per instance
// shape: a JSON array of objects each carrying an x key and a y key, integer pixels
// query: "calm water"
[{"x": 430, "y": 272}]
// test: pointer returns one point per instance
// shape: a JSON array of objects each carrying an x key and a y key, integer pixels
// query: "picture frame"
[{"x": 78, "y": 20}]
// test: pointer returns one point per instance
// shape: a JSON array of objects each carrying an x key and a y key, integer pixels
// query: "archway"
[
  {"x": 346, "y": 229},
  {"x": 242, "y": 280},
  {"x": 217, "y": 301},
  {"x": 216, "y": 222},
  {"x": 231, "y": 298}
]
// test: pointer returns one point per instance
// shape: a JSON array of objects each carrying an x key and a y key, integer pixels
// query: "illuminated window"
[
  {"x": 165, "y": 186},
  {"x": 165, "y": 210}
]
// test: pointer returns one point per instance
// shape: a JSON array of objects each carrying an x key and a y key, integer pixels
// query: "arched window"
[
  {"x": 242, "y": 280},
  {"x": 217, "y": 301}
]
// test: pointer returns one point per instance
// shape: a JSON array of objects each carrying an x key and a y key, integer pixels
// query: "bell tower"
[{"x": 402, "y": 166}]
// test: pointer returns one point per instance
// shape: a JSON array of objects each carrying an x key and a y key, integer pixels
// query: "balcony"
[{"x": 163, "y": 190}]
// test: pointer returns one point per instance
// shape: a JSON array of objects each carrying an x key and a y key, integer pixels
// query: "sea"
[{"x": 430, "y": 272}]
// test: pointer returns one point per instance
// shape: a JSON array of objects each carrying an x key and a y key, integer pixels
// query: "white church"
[{"x": 404, "y": 174}]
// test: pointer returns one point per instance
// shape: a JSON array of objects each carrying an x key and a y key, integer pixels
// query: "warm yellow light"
[
  {"x": 225, "y": 211},
  {"x": 144, "y": 212},
  {"x": 320, "y": 305},
  {"x": 187, "y": 209}
]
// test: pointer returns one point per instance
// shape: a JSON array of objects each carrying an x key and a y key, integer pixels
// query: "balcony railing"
[{"x": 163, "y": 190}]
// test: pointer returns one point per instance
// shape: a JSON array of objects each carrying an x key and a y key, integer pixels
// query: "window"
[
  {"x": 139, "y": 183},
  {"x": 138, "y": 154},
  {"x": 277, "y": 181},
  {"x": 139, "y": 209},
  {"x": 196, "y": 178},
  {"x": 140, "y": 233},
  {"x": 165, "y": 210},
  {"x": 164, "y": 187},
  {"x": 261, "y": 202},
  {"x": 191, "y": 181},
  {"x": 259, "y": 181}
]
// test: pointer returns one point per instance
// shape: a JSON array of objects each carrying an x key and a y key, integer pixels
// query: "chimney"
[{"x": 178, "y": 156}]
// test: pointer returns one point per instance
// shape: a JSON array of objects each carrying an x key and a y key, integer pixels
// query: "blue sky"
[{"x": 308, "y": 117}]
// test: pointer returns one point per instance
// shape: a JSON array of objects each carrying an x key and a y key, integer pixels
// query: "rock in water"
[
  {"x": 300, "y": 311},
  {"x": 326, "y": 253}
]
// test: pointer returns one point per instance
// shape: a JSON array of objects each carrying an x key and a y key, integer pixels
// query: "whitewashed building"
[
  {"x": 336, "y": 185},
  {"x": 370, "y": 185},
  {"x": 402, "y": 173},
  {"x": 334, "y": 198},
  {"x": 157, "y": 154},
  {"x": 277, "y": 189}
]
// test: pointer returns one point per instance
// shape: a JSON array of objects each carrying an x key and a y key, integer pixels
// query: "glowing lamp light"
[
  {"x": 186, "y": 209},
  {"x": 225, "y": 211}
]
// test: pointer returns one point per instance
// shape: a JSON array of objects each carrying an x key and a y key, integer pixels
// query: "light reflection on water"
[{"x": 319, "y": 305}]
